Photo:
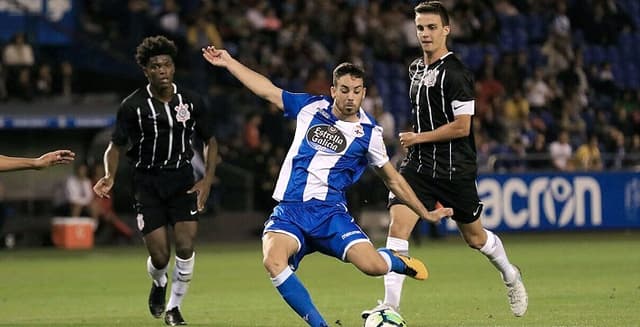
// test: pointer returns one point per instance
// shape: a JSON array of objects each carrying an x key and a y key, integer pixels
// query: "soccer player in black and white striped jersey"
[
  {"x": 440, "y": 164},
  {"x": 158, "y": 121}
]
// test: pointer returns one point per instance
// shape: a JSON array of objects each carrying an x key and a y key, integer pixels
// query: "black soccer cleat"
[
  {"x": 156, "y": 300},
  {"x": 173, "y": 317}
]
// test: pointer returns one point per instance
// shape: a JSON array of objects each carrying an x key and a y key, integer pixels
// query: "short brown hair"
[
  {"x": 347, "y": 68},
  {"x": 433, "y": 7}
]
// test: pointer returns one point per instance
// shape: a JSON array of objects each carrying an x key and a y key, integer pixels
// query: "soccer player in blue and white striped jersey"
[{"x": 335, "y": 141}]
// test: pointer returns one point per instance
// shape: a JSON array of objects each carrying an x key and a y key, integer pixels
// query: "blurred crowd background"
[{"x": 557, "y": 81}]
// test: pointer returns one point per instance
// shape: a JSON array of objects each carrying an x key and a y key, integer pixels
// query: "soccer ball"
[{"x": 385, "y": 318}]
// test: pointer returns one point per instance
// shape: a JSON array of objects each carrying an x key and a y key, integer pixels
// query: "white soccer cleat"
[
  {"x": 518, "y": 298},
  {"x": 381, "y": 306}
]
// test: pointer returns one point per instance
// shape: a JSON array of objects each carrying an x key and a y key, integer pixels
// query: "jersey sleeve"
[
  {"x": 459, "y": 90},
  {"x": 120, "y": 135},
  {"x": 202, "y": 116},
  {"x": 377, "y": 154},
  {"x": 294, "y": 102}
]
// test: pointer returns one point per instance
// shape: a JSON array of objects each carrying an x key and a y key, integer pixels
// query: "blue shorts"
[{"x": 316, "y": 225}]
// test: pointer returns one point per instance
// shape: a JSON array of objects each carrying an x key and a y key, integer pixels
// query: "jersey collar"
[{"x": 148, "y": 88}]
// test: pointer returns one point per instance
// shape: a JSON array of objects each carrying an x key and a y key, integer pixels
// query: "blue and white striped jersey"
[{"x": 327, "y": 155}]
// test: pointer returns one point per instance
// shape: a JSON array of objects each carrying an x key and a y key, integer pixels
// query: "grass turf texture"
[{"x": 582, "y": 279}]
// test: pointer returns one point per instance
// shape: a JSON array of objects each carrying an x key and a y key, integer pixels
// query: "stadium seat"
[{"x": 380, "y": 69}]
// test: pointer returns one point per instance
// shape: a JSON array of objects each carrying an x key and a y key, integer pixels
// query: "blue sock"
[
  {"x": 396, "y": 264},
  {"x": 298, "y": 298}
]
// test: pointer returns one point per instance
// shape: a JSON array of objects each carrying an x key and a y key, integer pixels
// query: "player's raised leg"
[
  {"x": 157, "y": 243},
  {"x": 491, "y": 246},
  {"x": 277, "y": 248},
  {"x": 379, "y": 262}
]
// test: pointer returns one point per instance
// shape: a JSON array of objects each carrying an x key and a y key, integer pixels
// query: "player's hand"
[
  {"x": 408, "y": 139},
  {"x": 435, "y": 215},
  {"x": 58, "y": 157},
  {"x": 217, "y": 57},
  {"x": 103, "y": 187},
  {"x": 201, "y": 188}
]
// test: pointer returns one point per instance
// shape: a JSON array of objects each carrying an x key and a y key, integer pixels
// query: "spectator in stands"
[
  {"x": 318, "y": 82},
  {"x": 388, "y": 123},
  {"x": 169, "y": 19},
  {"x": 558, "y": 52},
  {"x": 516, "y": 110},
  {"x": 538, "y": 91},
  {"x": 201, "y": 32},
  {"x": 66, "y": 83},
  {"x": 538, "y": 154},
  {"x": 18, "y": 53},
  {"x": 587, "y": 155},
  {"x": 24, "y": 88},
  {"x": 571, "y": 121},
  {"x": 372, "y": 99},
  {"x": 633, "y": 158},
  {"x": 561, "y": 152},
  {"x": 560, "y": 24},
  {"x": 44, "y": 81},
  {"x": 78, "y": 194},
  {"x": 251, "y": 132}
]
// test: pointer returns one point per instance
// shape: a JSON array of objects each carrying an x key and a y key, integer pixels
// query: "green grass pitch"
[{"x": 580, "y": 279}]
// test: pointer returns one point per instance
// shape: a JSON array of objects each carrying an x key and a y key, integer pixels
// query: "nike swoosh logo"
[
  {"x": 458, "y": 107},
  {"x": 193, "y": 212},
  {"x": 154, "y": 116},
  {"x": 475, "y": 212}
]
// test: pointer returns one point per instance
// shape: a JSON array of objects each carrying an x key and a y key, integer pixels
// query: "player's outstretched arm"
[
  {"x": 46, "y": 160},
  {"x": 399, "y": 186},
  {"x": 254, "y": 81},
  {"x": 111, "y": 159}
]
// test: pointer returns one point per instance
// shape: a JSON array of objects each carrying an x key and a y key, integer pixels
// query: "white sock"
[
  {"x": 159, "y": 276},
  {"x": 182, "y": 273},
  {"x": 494, "y": 250},
  {"x": 282, "y": 277},
  {"x": 393, "y": 281}
]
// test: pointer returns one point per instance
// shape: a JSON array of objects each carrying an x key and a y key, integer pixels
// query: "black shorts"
[
  {"x": 161, "y": 197},
  {"x": 459, "y": 194}
]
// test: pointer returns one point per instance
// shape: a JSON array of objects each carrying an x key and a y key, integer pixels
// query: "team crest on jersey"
[
  {"x": 182, "y": 112},
  {"x": 326, "y": 138},
  {"x": 430, "y": 78},
  {"x": 358, "y": 131}
]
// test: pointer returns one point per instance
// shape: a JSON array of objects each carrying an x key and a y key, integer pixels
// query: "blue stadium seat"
[
  {"x": 381, "y": 69},
  {"x": 383, "y": 85},
  {"x": 493, "y": 51},
  {"x": 537, "y": 28},
  {"x": 506, "y": 40},
  {"x": 521, "y": 38},
  {"x": 613, "y": 54}
]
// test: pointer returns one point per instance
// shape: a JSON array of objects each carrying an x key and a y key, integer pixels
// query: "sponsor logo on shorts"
[{"x": 345, "y": 235}]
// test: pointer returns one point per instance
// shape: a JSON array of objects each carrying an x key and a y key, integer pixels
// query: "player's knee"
[
  {"x": 184, "y": 252},
  {"x": 159, "y": 259},
  {"x": 374, "y": 267},
  {"x": 273, "y": 265},
  {"x": 475, "y": 243}
]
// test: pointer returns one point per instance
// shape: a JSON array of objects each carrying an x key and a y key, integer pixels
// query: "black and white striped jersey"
[
  {"x": 160, "y": 133},
  {"x": 438, "y": 93}
]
